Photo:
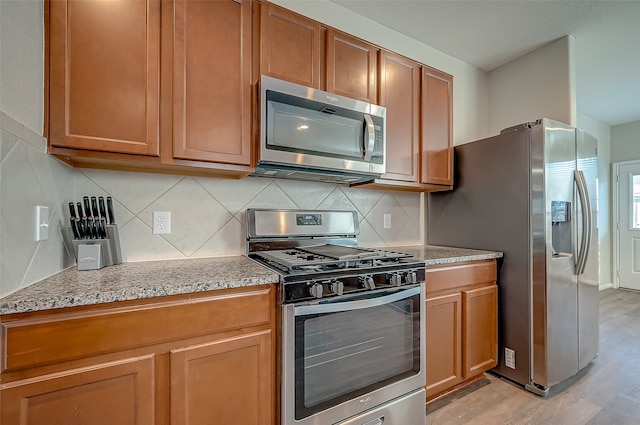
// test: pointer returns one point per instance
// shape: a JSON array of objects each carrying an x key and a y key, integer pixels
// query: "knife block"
[{"x": 109, "y": 249}]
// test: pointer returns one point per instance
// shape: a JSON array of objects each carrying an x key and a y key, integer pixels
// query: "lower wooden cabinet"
[
  {"x": 444, "y": 342},
  {"x": 462, "y": 324},
  {"x": 480, "y": 335},
  {"x": 223, "y": 382},
  {"x": 205, "y": 358},
  {"x": 119, "y": 392}
]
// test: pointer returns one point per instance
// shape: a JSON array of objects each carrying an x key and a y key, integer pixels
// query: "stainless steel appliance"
[
  {"x": 531, "y": 192},
  {"x": 352, "y": 326},
  {"x": 310, "y": 134}
]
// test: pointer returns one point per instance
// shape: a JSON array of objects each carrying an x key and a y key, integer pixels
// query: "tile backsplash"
[{"x": 207, "y": 214}]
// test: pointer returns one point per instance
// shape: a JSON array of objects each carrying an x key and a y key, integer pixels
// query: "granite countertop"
[
  {"x": 433, "y": 255},
  {"x": 131, "y": 281}
]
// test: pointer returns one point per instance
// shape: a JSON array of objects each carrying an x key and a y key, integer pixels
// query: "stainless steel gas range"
[{"x": 352, "y": 322}]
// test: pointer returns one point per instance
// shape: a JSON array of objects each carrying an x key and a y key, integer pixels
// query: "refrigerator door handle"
[{"x": 585, "y": 238}]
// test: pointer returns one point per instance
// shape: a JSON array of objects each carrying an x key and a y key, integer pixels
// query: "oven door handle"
[{"x": 334, "y": 307}]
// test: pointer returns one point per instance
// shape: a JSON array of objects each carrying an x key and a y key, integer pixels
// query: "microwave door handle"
[{"x": 369, "y": 137}]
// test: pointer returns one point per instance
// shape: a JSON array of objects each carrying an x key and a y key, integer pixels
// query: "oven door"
[{"x": 344, "y": 356}]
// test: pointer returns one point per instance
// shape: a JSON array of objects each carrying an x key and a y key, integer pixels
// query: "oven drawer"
[{"x": 406, "y": 410}]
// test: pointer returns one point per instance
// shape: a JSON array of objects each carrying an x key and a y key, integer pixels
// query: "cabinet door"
[
  {"x": 480, "y": 330},
  {"x": 352, "y": 67},
  {"x": 290, "y": 46},
  {"x": 104, "y": 75},
  {"x": 224, "y": 382},
  {"x": 120, "y": 392},
  {"x": 436, "y": 125},
  {"x": 399, "y": 91},
  {"x": 444, "y": 343},
  {"x": 212, "y": 81}
]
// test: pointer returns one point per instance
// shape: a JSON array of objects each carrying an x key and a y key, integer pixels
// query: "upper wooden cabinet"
[
  {"x": 436, "y": 126},
  {"x": 290, "y": 46},
  {"x": 150, "y": 85},
  {"x": 351, "y": 67},
  {"x": 212, "y": 81},
  {"x": 169, "y": 86},
  {"x": 104, "y": 75},
  {"x": 399, "y": 93}
]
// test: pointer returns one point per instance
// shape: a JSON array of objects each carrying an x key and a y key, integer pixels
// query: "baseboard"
[{"x": 604, "y": 286}]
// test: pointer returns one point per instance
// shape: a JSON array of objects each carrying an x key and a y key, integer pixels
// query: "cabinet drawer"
[
  {"x": 462, "y": 275},
  {"x": 43, "y": 339}
]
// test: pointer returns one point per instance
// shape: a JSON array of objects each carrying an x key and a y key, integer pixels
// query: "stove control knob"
[
  {"x": 411, "y": 277},
  {"x": 396, "y": 279},
  {"x": 337, "y": 287},
  {"x": 367, "y": 282},
  {"x": 315, "y": 289}
]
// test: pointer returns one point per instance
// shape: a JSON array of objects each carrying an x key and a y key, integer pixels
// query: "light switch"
[
  {"x": 42, "y": 223},
  {"x": 387, "y": 221}
]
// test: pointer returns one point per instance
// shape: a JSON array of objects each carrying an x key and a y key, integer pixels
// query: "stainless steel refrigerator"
[{"x": 531, "y": 192}]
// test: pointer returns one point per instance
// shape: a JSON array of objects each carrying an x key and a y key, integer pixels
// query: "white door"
[{"x": 629, "y": 225}]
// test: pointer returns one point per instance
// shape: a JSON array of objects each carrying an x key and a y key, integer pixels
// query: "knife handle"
[
  {"x": 103, "y": 211},
  {"x": 87, "y": 209},
  {"x": 80, "y": 213},
  {"x": 93, "y": 228},
  {"x": 103, "y": 228},
  {"x": 110, "y": 210},
  {"x": 94, "y": 207},
  {"x": 74, "y": 229},
  {"x": 72, "y": 210},
  {"x": 85, "y": 228},
  {"x": 80, "y": 227}
]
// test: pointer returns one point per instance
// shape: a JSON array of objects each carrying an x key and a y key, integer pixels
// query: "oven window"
[{"x": 345, "y": 354}]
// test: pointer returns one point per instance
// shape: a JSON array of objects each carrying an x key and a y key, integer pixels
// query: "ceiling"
[{"x": 490, "y": 33}]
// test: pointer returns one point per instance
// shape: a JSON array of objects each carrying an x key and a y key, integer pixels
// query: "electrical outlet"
[
  {"x": 161, "y": 222},
  {"x": 387, "y": 221},
  {"x": 42, "y": 223}
]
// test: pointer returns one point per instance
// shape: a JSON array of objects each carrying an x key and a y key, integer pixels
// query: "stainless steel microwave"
[{"x": 309, "y": 134}]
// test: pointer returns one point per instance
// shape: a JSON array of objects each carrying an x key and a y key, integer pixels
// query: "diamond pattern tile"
[
  {"x": 135, "y": 191},
  {"x": 387, "y": 205},
  {"x": 21, "y": 192},
  {"x": 306, "y": 195},
  {"x": 230, "y": 240},
  {"x": 271, "y": 197},
  {"x": 195, "y": 215},
  {"x": 208, "y": 214},
  {"x": 368, "y": 236},
  {"x": 9, "y": 141},
  {"x": 139, "y": 244},
  {"x": 336, "y": 200},
  {"x": 363, "y": 199},
  {"x": 234, "y": 195},
  {"x": 87, "y": 187}
]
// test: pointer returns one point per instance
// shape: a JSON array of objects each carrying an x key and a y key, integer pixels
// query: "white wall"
[
  {"x": 540, "y": 84},
  {"x": 470, "y": 101},
  {"x": 625, "y": 142},
  {"x": 602, "y": 133},
  {"x": 21, "y": 62}
]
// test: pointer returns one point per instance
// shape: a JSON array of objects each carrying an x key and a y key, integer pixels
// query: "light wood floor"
[{"x": 607, "y": 392}]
